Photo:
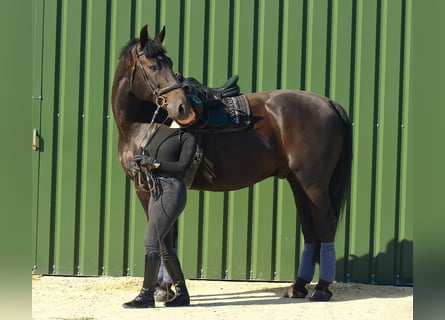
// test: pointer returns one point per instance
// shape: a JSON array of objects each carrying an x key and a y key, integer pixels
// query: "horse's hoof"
[
  {"x": 321, "y": 295},
  {"x": 163, "y": 295},
  {"x": 293, "y": 292}
]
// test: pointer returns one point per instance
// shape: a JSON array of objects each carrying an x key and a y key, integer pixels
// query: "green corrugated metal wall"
[{"x": 86, "y": 217}]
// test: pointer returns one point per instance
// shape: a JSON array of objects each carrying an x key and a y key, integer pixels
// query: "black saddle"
[
  {"x": 194, "y": 87},
  {"x": 229, "y": 89},
  {"x": 207, "y": 102}
]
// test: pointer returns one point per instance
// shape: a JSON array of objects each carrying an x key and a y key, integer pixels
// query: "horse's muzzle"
[
  {"x": 181, "y": 109},
  {"x": 185, "y": 117}
]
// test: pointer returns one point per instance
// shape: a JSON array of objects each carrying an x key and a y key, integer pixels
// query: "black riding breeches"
[{"x": 163, "y": 212}]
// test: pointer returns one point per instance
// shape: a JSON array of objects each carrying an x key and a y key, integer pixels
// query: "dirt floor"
[{"x": 88, "y": 298}]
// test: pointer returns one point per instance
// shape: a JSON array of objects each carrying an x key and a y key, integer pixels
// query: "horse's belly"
[{"x": 235, "y": 170}]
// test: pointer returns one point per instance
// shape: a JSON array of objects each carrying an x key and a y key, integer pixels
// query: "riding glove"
[
  {"x": 145, "y": 160},
  {"x": 133, "y": 168}
]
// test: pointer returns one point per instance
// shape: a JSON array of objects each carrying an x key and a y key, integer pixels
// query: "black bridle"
[{"x": 161, "y": 101}]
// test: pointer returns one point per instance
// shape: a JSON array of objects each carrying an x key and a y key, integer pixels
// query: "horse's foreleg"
[{"x": 144, "y": 198}]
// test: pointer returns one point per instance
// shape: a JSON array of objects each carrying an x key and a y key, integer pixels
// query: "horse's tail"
[{"x": 341, "y": 178}]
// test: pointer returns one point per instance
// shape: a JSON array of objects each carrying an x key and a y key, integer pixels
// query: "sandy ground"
[{"x": 88, "y": 298}]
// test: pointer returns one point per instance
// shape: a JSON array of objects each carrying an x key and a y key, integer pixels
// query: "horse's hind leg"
[
  {"x": 309, "y": 256},
  {"x": 325, "y": 222},
  {"x": 319, "y": 224}
]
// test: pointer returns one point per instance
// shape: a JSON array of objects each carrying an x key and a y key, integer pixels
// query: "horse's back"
[
  {"x": 302, "y": 112},
  {"x": 291, "y": 102}
]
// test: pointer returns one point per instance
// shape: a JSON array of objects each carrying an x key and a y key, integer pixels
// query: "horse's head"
[{"x": 153, "y": 79}]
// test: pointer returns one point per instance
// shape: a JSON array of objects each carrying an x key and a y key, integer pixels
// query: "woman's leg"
[
  {"x": 145, "y": 298},
  {"x": 163, "y": 290},
  {"x": 162, "y": 213},
  {"x": 169, "y": 257},
  {"x": 173, "y": 267}
]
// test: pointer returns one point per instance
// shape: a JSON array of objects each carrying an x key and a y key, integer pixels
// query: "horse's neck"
[
  {"x": 132, "y": 133},
  {"x": 143, "y": 131},
  {"x": 140, "y": 135},
  {"x": 132, "y": 119}
]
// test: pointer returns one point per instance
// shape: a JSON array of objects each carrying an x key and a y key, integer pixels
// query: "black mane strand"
[
  {"x": 125, "y": 51},
  {"x": 152, "y": 49}
]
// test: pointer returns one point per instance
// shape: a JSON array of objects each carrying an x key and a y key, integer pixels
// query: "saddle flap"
[
  {"x": 216, "y": 116},
  {"x": 229, "y": 115}
]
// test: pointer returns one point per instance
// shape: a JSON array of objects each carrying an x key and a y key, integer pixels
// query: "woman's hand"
[{"x": 145, "y": 160}]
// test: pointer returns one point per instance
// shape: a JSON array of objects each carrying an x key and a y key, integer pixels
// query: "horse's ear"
[
  {"x": 143, "y": 38},
  {"x": 160, "y": 36}
]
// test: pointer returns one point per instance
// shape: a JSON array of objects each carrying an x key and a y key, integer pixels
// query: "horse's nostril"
[{"x": 181, "y": 109}]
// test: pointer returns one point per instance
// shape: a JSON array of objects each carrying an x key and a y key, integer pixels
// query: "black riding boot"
[
  {"x": 145, "y": 298},
  {"x": 181, "y": 297}
]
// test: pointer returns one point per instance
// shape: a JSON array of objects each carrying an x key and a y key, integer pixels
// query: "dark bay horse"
[{"x": 295, "y": 135}]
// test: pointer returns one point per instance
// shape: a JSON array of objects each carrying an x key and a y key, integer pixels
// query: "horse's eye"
[{"x": 154, "y": 67}]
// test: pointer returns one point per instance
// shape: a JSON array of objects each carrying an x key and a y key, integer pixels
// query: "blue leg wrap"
[
  {"x": 307, "y": 266},
  {"x": 327, "y": 262}
]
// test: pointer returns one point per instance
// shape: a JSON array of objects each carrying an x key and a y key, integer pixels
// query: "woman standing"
[{"x": 164, "y": 161}]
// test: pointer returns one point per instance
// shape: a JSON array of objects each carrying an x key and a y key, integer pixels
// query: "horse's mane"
[{"x": 152, "y": 48}]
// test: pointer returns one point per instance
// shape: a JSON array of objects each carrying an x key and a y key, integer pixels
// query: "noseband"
[{"x": 161, "y": 101}]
